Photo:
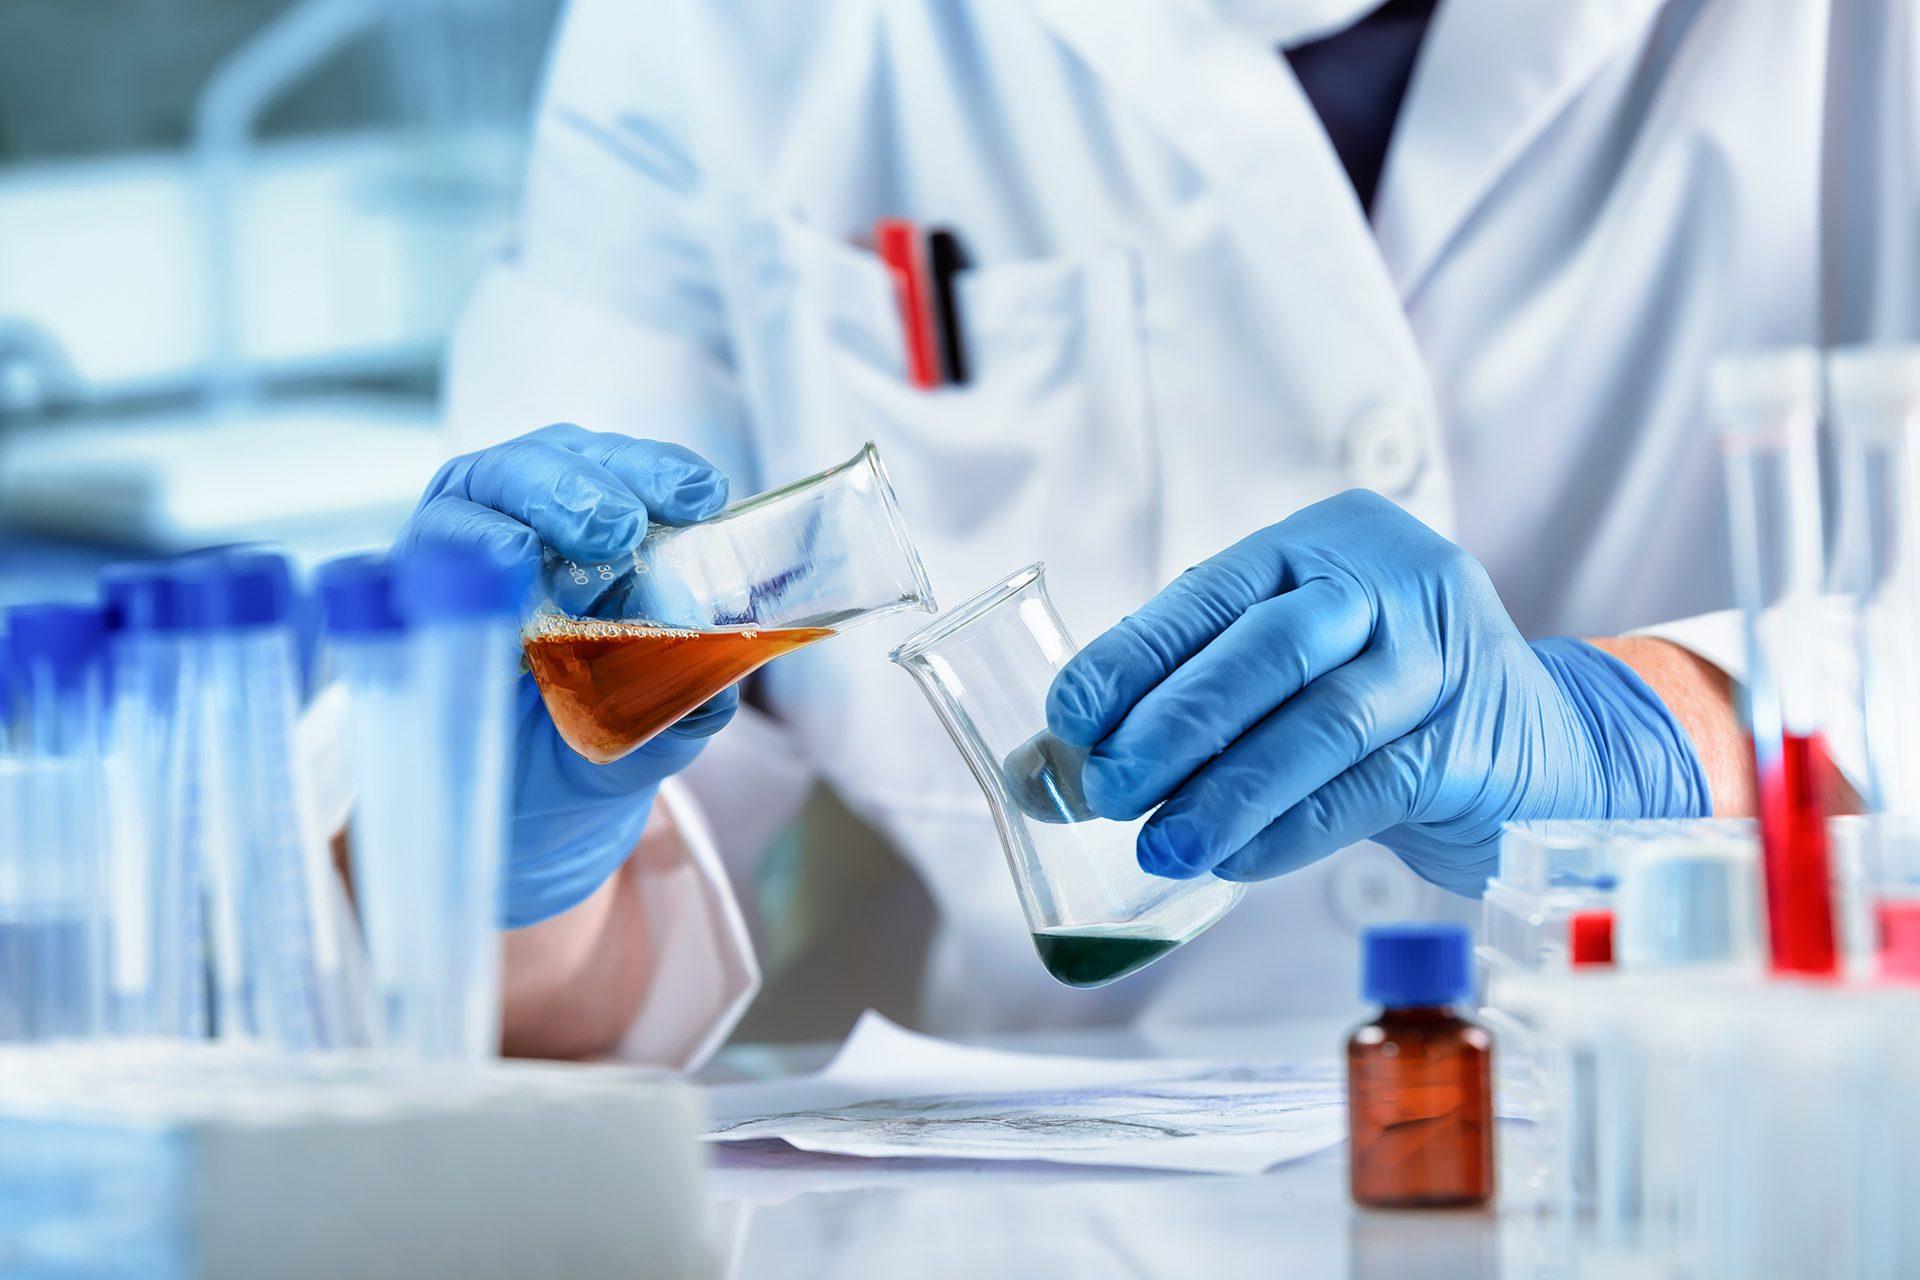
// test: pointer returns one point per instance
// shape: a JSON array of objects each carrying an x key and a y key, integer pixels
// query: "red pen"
[{"x": 904, "y": 250}]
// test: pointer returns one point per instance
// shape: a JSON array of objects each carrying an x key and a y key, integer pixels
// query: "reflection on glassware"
[
  {"x": 623, "y": 650},
  {"x": 1043, "y": 775},
  {"x": 1095, "y": 916}
]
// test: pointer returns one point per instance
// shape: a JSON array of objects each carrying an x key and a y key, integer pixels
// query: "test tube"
[
  {"x": 464, "y": 644},
  {"x": 1897, "y": 921},
  {"x": 428, "y": 647},
  {"x": 58, "y": 927},
  {"x": 13, "y": 844},
  {"x": 157, "y": 966},
  {"x": 276, "y": 956},
  {"x": 367, "y": 644},
  {"x": 1875, "y": 395},
  {"x": 1768, "y": 408}
]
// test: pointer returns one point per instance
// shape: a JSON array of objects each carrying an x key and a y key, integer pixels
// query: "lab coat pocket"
[
  {"x": 1044, "y": 453},
  {"x": 1051, "y": 417}
]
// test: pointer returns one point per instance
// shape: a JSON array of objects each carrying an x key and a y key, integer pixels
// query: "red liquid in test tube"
[
  {"x": 1899, "y": 925},
  {"x": 1793, "y": 841},
  {"x": 1590, "y": 939}
]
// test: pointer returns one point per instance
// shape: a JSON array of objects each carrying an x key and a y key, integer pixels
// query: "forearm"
[
  {"x": 573, "y": 984},
  {"x": 1701, "y": 697}
]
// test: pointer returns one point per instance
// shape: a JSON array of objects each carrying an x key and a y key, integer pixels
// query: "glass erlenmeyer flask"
[
  {"x": 623, "y": 650},
  {"x": 1095, "y": 915}
]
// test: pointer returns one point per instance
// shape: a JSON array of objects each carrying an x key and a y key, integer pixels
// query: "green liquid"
[{"x": 1095, "y": 959}]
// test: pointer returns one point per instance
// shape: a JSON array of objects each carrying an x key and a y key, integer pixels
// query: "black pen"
[{"x": 947, "y": 259}]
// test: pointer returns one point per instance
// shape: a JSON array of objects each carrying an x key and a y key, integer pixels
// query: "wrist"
[
  {"x": 1704, "y": 698},
  {"x": 1645, "y": 762},
  {"x": 557, "y": 862}
]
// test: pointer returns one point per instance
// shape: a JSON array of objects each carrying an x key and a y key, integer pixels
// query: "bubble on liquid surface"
[{"x": 1045, "y": 778}]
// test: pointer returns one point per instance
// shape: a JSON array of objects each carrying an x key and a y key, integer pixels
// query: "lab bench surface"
[{"x": 788, "y": 1213}]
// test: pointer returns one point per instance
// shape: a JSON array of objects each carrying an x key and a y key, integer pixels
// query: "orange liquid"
[{"x": 610, "y": 686}]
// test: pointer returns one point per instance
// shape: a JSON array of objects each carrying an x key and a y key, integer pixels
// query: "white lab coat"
[{"x": 1182, "y": 328}]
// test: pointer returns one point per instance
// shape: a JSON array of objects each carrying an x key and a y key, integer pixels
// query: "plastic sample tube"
[
  {"x": 1768, "y": 410},
  {"x": 58, "y": 925},
  {"x": 1876, "y": 415},
  {"x": 157, "y": 968},
  {"x": 368, "y": 648},
  {"x": 277, "y": 962},
  {"x": 428, "y": 649},
  {"x": 463, "y": 643}
]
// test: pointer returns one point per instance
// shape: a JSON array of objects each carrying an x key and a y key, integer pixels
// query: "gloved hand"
[
  {"x": 1349, "y": 674},
  {"x": 588, "y": 495}
]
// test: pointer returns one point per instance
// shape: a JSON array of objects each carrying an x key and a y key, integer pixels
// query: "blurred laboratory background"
[{"x": 234, "y": 236}]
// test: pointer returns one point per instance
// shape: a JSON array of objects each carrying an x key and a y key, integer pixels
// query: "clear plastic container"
[
  {"x": 1551, "y": 870},
  {"x": 1094, "y": 914},
  {"x": 1718, "y": 1125}
]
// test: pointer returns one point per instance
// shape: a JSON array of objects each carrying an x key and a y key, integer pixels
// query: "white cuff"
[
  {"x": 1720, "y": 638},
  {"x": 1715, "y": 637},
  {"x": 705, "y": 973}
]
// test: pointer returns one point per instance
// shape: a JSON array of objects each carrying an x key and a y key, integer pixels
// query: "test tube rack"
[
  {"x": 209, "y": 1162},
  {"x": 1699, "y": 1120}
]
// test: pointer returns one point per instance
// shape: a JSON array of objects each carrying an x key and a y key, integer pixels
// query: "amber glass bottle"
[{"x": 1419, "y": 1077}]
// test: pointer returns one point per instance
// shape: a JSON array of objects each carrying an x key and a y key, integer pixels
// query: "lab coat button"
[
  {"x": 1370, "y": 887},
  {"x": 1384, "y": 449}
]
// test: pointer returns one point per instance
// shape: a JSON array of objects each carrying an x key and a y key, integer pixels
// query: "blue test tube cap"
[
  {"x": 141, "y": 596},
  {"x": 67, "y": 640},
  {"x": 357, "y": 593},
  {"x": 437, "y": 581},
  {"x": 1409, "y": 965},
  {"x": 235, "y": 590}
]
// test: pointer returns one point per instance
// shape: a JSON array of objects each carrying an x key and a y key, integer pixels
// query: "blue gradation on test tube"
[
  {"x": 56, "y": 922},
  {"x": 277, "y": 966},
  {"x": 158, "y": 964}
]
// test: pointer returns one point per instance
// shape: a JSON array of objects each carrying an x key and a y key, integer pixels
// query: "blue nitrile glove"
[
  {"x": 1349, "y": 674},
  {"x": 588, "y": 495}
]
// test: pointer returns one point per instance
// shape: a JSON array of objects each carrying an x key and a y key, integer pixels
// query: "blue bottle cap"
[
  {"x": 357, "y": 593},
  {"x": 68, "y": 640},
  {"x": 442, "y": 581},
  {"x": 141, "y": 597},
  {"x": 1417, "y": 964},
  {"x": 235, "y": 590}
]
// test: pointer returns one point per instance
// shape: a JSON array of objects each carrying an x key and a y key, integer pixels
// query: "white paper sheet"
[{"x": 892, "y": 1092}]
